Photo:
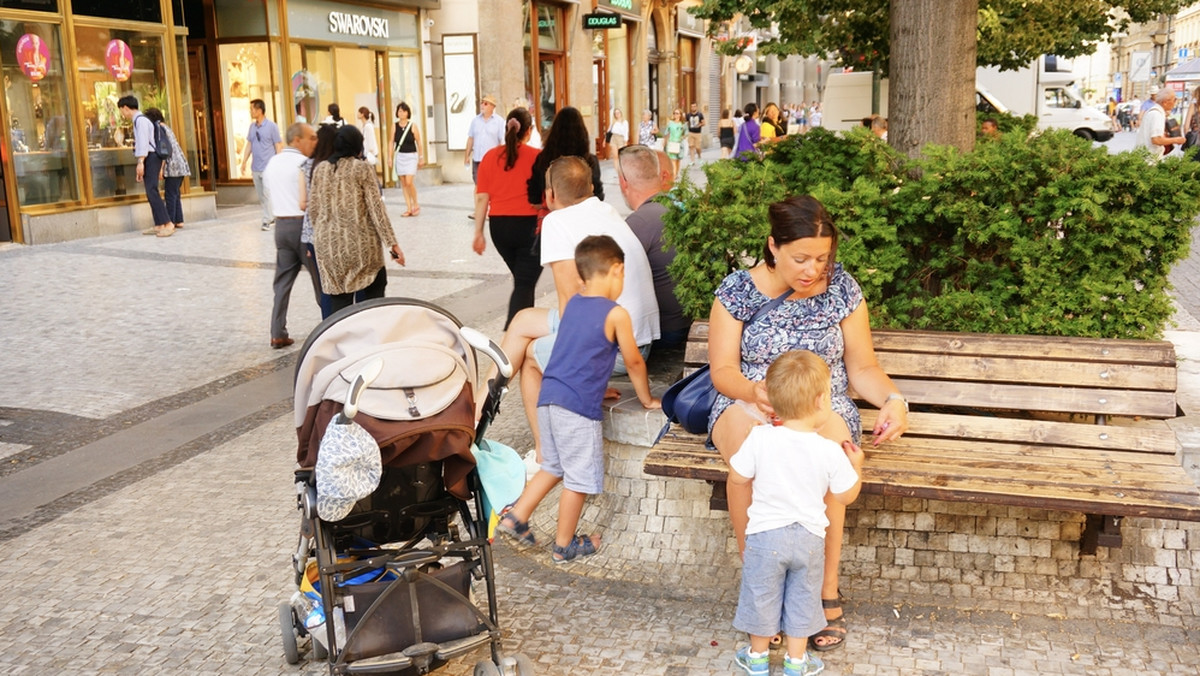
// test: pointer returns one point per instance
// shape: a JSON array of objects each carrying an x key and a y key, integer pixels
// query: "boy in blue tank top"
[{"x": 569, "y": 413}]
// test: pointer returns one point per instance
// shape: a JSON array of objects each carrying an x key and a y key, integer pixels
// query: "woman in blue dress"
[{"x": 824, "y": 313}]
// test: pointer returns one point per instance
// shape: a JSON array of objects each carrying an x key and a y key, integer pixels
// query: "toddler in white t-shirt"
[{"x": 792, "y": 469}]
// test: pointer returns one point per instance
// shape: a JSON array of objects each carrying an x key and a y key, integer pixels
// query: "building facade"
[{"x": 67, "y": 168}]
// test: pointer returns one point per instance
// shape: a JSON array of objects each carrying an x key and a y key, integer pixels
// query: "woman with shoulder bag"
[
  {"x": 406, "y": 156},
  {"x": 174, "y": 169}
]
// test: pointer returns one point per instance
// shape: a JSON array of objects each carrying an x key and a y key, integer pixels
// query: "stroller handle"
[
  {"x": 484, "y": 344},
  {"x": 365, "y": 377}
]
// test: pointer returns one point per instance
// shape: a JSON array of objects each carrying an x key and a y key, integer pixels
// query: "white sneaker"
[{"x": 531, "y": 464}]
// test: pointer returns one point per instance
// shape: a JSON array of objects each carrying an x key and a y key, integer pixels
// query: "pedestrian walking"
[
  {"x": 486, "y": 132},
  {"x": 617, "y": 136},
  {"x": 750, "y": 135},
  {"x": 284, "y": 182},
  {"x": 501, "y": 197},
  {"x": 695, "y": 125},
  {"x": 675, "y": 133},
  {"x": 149, "y": 164},
  {"x": 335, "y": 115},
  {"x": 350, "y": 224},
  {"x": 406, "y": 157},
  {"x": 325, "y": 136},
  {"x": 262, "y": 143},
  {"x": 647, "y": 130},
  {"x": 174, "y": 170},
  {"x": 725, "y": 134},
  {"x": 568, "y": 136},
  {"x": 366, "y": 124}
]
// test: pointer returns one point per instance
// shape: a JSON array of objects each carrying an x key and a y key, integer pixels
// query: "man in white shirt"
[
  {"x": 576, "y": 214},
  {"x": 486, "y": 132},
  {"x": 1152, "y": 134},
  {"x": 282, "y": 179}
]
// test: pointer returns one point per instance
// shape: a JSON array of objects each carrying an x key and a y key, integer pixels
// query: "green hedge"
[{"x": 1041, "y": 235}]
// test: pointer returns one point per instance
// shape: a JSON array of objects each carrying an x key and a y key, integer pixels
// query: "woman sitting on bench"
[{"x": 819, "y": 307}]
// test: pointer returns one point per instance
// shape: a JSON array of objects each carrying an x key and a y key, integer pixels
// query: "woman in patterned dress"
[{"x": 824, "y": 313}]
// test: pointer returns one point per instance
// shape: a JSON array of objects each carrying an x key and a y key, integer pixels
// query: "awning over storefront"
[
  {"x": 1185, "y": 72},
  {"x": 422, "y": 4}
]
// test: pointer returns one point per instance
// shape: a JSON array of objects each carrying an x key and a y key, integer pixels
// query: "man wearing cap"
[{"x": 486, "y": 132}]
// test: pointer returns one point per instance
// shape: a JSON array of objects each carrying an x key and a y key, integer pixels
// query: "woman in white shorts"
[{"x": 406, "y": 156}]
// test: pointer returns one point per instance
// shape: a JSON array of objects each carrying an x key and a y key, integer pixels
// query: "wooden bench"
[{"x": 1069, "y": 424}]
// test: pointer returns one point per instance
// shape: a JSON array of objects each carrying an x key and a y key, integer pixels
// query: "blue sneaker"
[
  {"x": 811, "y": 665},
  {"x": 755, "y": 666}
]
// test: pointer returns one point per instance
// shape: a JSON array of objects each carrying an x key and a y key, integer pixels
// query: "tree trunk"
[{"x": 932, "y": 75}]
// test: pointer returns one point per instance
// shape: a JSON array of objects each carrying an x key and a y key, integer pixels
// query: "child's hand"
[
  {"x": 654, "y": 405},
  {"x": 760, "y": 399},
  {"x": 854, "y": 453}
]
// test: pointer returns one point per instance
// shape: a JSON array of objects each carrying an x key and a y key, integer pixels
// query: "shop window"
[
  {"x": 241, "y": 18},
  {"x": 404, "y": 73},
  {"x": 130, "y": 10},
  {"x": 618, "y": 71},
  {"x": 245, "y": 71},
  {"x": 185, "y": 129},
  {"x": 113, "y": 63},
  {"x": 35, "y": 98},
  {"x": 35, "y": 5},
  {"x": 549, "y": 28}
]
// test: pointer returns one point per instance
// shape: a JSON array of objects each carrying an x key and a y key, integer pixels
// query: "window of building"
[
  {"x": 245, "y": 71},
  {"x": 113, "y": 63},
  {"x": 241, "y": 18},
  {"x": 131, "y": 10},
  {"x": 35, "y": 5},
  {"x": 35, "y": 98}
]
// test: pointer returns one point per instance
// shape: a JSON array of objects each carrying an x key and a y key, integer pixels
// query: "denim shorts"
[
  {"x": 781, "y": 583},
  {"x": 572, "y": 448}
]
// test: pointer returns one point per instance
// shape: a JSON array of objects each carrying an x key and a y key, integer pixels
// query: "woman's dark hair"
[
  {"x": 403, "y": 106},
  {"x": 725, "y": 114},
  {"x": 325, "y": 136},
  {"x": 737, "y": 113},
  {"x": 797, "y": 218},
  {"x": 517, "y": 125},
  {"x": 348, "y": 142},
  {"x": 154, "y": 114},
  {"x": 366, "y": 113},
  {"x": 751, "y": 108},
  {"x": 568, "y": 135},
  {"x": 335, "y": 111}
]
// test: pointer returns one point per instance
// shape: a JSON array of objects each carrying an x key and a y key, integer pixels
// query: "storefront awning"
[{"x": 1185, "y": 72}]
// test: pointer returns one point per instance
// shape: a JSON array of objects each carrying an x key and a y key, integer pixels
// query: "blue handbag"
[{"x": 690, "y": 400}]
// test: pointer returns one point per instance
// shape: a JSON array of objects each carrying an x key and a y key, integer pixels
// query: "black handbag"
[
  {"x": 607, "y": 137},
  {"x": 690, "y": 400}
]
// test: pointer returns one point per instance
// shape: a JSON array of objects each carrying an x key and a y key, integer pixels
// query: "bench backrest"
[{"x": 949, "y": 371}]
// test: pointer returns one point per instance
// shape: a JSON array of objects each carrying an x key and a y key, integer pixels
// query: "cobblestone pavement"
[{"x": 174, "y": 563}]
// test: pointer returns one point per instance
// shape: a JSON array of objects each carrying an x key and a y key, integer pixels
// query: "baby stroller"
[{"x": 387, "y": 554}]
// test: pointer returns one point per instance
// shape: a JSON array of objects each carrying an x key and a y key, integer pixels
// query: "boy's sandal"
[
  {"x": 581, "y": 545},
  {"x": 835, "y": 629},
  {"x": 515, "y": 528}
]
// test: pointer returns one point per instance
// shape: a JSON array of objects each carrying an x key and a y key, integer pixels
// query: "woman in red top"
[{"x": 500, "y": 197}]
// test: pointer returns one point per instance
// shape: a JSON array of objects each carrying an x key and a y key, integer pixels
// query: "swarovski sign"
[{"x": 358, "y": 24}]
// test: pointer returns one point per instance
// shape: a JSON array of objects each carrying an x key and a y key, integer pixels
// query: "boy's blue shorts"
[
  {"x": 572, "y": 448},
  {"x": 782, "y": 573}
]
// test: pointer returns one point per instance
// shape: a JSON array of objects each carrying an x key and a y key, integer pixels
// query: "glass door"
[
  {"x": 550, "y": 85},
  {"x": 404, "y": 86},
  {"x": 204, "y": 150}
]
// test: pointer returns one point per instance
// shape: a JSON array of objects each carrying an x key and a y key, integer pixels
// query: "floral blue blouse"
[{"x": 796, "y": 324}]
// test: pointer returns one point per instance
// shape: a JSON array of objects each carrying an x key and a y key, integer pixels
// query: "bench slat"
[
  {"x": 1153, "y": 438},
  {"x": 1038, "y": 398},
  {"x": 1028, "y": 371},
  {"x": 993, "y": 468},
  {"x": 1132, "y": 502},
  {"x": 1149, "y": 352}
]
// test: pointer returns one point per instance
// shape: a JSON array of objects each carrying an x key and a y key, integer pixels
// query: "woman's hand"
[
  {"x": 397, "y": 254},
  {"x": 891, "y": 422},
  {"x": 480, "y": 244},
  {"x": 761, "y": 400}
]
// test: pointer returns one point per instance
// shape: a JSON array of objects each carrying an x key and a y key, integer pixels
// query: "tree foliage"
[
  {"x": 1041, "y": 234},
  {"x": 1011, "y": 33}
]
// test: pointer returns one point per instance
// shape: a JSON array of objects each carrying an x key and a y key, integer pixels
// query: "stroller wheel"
[
  {"x": 486, "y": 668},
  {"x": 524, "y": 664},
  {"x": 287, "y": 628}
]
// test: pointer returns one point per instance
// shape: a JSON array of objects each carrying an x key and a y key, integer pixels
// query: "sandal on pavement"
[
  {"x": 581, "y": 545},
  {"x": 834, "y": 629},
  {"x": 515, "y": 528}
]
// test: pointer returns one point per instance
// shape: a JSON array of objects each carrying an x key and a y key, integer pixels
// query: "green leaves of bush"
[{"x": 1041, "y": 235}]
